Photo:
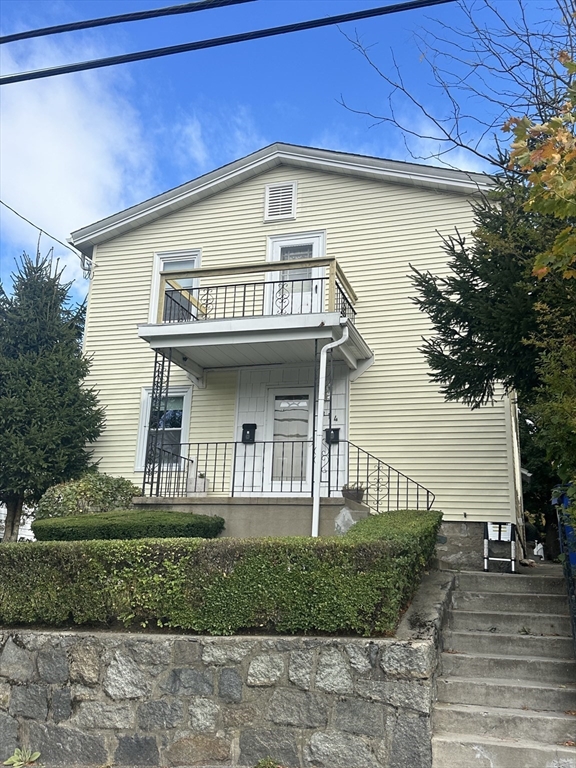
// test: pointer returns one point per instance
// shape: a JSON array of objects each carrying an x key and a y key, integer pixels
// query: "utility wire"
[
  {"x": 202, "y": 5},
  {"x": 42, "y": 231},
  {"x": 219, "y": 41}
]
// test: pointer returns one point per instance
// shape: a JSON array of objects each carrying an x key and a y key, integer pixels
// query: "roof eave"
[{"x": 440, "y": 179}]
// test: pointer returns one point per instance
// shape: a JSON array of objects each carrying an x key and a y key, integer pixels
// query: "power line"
[
  {"x": 219, "y": 41},
  {"x": 172, "y": 10},
  {"x": 43, "y": 232}
]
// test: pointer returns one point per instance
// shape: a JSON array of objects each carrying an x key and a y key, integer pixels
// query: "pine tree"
[
  {"x": 486, "y": 311},
  {"x": 47, "y": 416},
  {"x": 487, "y": 315}
]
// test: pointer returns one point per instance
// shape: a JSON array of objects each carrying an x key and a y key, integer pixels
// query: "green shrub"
[
  {"x": 91, "y": 493},
  {"x": 355, "y": 584},
  {"x": 128, "y": 524}
]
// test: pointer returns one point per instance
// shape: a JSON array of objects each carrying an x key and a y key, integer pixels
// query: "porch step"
[
  {"x": 510, "y": 623},
  {"x": 450, "y": 750},
  {"x": 504, "y": 644},
  {"x": 510, "y": 602},
  {"x": 504, "y": 692}
]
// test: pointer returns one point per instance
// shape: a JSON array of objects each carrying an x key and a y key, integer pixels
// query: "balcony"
[{"x": 255, "y": 314}]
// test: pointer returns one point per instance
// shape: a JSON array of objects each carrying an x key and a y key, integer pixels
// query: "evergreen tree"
[
  {"x": 488, "y": 317},
  {"x": 47, "y": 416},
  {"x": 486, "y": 311}
]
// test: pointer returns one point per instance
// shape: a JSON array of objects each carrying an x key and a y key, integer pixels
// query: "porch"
[
  {"x": 290, "y": 335},
  {"x": 266, "y": 471}
]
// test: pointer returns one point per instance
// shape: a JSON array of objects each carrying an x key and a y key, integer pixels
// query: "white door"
[
  {"x": 288, "y": 464},
  {"x": 296, "y": 291}
]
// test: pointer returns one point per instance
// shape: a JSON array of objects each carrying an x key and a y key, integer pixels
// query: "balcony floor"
[{"x": 246, "y": 341}]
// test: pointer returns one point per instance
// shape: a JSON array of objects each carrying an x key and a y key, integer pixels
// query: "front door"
[{"x": 288, "y": 464}]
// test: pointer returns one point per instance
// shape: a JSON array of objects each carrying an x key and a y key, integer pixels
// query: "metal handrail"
[
  {"x": 568, "y": 552},
  {"x": 385, "y": 488},
  {"x": 257, "y": 299},
  {"x": 187, "y": 304},
  {"x": 284, "y": 467}
]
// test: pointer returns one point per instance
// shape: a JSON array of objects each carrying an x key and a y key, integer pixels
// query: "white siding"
[{"x": 376, "y": 230}]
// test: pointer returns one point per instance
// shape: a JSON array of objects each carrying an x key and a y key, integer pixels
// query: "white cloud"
[
  {"x": 72, "y": 151},
  {"x": 191, "y": 145},
  {"x": 210, "y": 138}
]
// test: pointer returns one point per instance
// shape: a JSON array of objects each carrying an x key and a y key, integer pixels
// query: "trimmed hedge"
[
  {"x": 93, "y": 492},
  {"x": 358, "y": 583},
  {"x": 128, "y": 524}
]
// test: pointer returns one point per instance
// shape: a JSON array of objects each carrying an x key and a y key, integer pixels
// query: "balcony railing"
[
  {"x": 256, "y": 290},
  {"x": 284, "y": 468}
]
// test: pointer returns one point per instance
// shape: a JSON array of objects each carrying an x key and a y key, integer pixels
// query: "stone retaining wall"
[{"x": 104, "y": 698}]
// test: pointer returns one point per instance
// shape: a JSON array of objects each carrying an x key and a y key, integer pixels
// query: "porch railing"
[
  {"x": 284, "y": 468},
  {"x": 256, "y": 290},
  {"x": 567, "y": 535}
]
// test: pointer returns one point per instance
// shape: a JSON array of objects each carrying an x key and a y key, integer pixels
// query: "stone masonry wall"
[{"x": 122, "y": 699}]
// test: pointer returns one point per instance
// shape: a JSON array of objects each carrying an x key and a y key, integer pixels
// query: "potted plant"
[{"x": 353, "y": 491}]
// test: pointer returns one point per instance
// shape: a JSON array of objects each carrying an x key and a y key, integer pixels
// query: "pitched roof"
[{"x": 265, "y": 159}]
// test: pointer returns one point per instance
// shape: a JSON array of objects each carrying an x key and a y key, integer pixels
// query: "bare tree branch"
[{"x": 498, "y": 63}]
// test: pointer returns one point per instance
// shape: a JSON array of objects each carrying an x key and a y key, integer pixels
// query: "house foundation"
[{"x": 246, "y": 517}]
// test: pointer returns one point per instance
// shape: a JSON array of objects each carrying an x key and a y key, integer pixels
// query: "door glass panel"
[
  {"x": 294, "y": 296},
  {"x": 291, "y": 253},
  {"x": 291, "y": 431}
]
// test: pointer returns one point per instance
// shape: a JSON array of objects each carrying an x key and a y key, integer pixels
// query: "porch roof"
[{"x": 267, "y": 340}]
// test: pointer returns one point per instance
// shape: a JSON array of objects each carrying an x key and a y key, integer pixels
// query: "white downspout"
[{"x": 318, "y": 437}]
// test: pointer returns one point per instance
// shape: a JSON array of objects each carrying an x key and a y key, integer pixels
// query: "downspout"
[{"x": 317, "y": 476}]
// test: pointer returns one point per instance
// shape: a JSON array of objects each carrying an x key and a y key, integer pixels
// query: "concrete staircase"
[{"x": 508, "y": 676}]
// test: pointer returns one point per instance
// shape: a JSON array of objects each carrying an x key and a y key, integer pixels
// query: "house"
[{"x": 254, "y": 341}]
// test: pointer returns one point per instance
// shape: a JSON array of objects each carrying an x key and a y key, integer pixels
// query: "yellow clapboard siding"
[{"x": 376, "y": 229}]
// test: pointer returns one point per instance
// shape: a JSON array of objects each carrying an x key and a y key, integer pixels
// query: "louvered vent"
[{"x": 281, "y": 201}]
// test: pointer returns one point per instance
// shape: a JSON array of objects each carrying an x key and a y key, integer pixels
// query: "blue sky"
[{"x": 79, "y": 147}]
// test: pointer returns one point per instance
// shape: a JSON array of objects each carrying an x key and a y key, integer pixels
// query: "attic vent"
[{"x": 281, "y": 201}]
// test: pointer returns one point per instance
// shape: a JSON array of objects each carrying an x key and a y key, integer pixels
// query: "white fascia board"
[
  {"x": 256, "y": 330},
  {"x": 266, "y": 159},
  {"x": 390, "y": 170},
  {"x": 258, "y": 324}
]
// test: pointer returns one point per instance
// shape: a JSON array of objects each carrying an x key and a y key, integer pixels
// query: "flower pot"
[{"x": 354, "y": 494}]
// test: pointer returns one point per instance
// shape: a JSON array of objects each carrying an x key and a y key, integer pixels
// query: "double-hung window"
[
  {"x": 170, "y": 423},
  {"x": 180, "y": 298}
]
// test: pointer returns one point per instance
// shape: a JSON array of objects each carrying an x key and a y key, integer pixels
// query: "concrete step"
[
  {"x": 514, "y": 602},
  {"x": 461, "y": 751},
  {"x": 512, "y": 667},
  {"x": 534, "y": 623},
  {"x": 477, "y": 581},
  {"x": 500, "y": 644},
  {"x": 502, "y": 723},
  {"x": 558, "y": 697}
]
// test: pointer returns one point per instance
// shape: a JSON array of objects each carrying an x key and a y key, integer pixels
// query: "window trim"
[
  {"x": 160, "y": 257},
  {"x": 317, "y": 238},
  {"x": 283, "y": 217},
  {"x": 145, "y": 405}
]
